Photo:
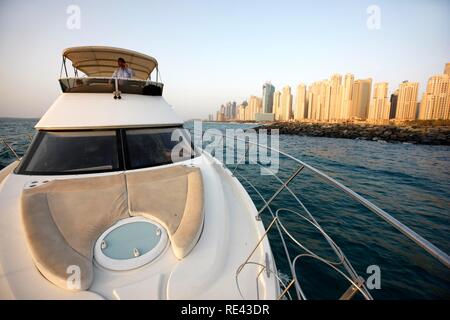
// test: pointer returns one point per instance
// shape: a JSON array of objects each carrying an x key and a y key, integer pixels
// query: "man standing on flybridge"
[{"x": 123, "y": 71}]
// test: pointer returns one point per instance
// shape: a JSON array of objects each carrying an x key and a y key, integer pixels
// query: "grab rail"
[
  {"x": 9, "y": 147},
  {"x": 357, "y": 285},
  {"x": 414, "y": 236}
]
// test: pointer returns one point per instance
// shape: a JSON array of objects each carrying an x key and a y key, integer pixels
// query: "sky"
[{"x": 211, "y": 52}]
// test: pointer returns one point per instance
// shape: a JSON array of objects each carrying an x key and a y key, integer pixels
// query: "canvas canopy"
[{"x": 98, "y": 61}]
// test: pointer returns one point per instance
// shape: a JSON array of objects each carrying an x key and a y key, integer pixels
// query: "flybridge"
[
  {"x": 96, "y": 64},
  {"x": 116, "y": 86}
]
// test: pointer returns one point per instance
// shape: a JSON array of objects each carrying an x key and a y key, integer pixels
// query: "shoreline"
[{"x": 407, "y": 133}]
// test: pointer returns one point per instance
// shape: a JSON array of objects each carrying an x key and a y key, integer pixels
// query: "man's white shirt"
[{"x": 123, "y": 73}]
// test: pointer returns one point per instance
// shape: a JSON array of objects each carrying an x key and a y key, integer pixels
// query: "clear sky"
[{"x": 210, "y": 52}]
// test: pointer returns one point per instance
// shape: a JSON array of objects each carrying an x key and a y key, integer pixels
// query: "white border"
[{"x": 133, "y": 263}]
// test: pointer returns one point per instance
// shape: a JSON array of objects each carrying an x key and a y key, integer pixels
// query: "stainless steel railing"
[
  {"x": 348, "y": 272},
  {"x": 9, "y": 144}
]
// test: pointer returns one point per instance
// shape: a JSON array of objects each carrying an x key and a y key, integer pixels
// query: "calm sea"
[{"x": 411, "y": 182}]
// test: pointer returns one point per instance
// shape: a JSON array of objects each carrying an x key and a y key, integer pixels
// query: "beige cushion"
[
  {"x": 64, "y": 218},
  {"x": 172, "y": 196},
  {"x": 186, "y": 236},
  {"x": 84, "y": 208}
]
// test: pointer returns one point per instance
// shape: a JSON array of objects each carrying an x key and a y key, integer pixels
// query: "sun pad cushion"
[
  {"x": 64, "y": 218},
  {"x": 172, "y": 196}
]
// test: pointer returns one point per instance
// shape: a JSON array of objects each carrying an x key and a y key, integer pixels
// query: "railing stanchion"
[
  {"x": 240, "y": 160},
  {"x": 285, "y": 184},
  {"x": 352, "y": 290},
  {"x": 286, "y": 289},
  {"x": 10, "y": 148}
]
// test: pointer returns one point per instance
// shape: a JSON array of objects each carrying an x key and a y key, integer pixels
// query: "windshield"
[
  {"x": 71, "y": 152},
  {"x": 66, "y": 152},
  {"x": 142, "y": 145}
]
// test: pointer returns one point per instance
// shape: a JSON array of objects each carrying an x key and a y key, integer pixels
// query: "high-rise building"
[
  {"x": 335, "y": 96},
  {"x": 324, "y": 102},
  {"x": 267, "y": 97},
  {"x": 394, "y": 100},
  {"x": 447, "y": 69},
  {"x": 286, "y": 104},
  {"x": 311, "y": 100},
  {"x": 220, "y": 116},
  {"x": 346, "y": 98},
  {"x": 240, "y": 112},
  {"x": 407, "y": 101},
  {"x": 254, "y": 107},
  {"x": 318, "y": 109},
  {"x": 436, "y": 100},
  {"x": 301, "y": 107},
  {"x": 380, "y": 106},
  {"x": 276, "y": 109},
  {"x": 360, "y": 99},
  {"x": 233, "y": 110},
  {"x": 227, "y": 110}
]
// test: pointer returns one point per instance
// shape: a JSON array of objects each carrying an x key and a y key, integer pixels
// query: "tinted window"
[
  {"x": 68, "y": 152},
  {"x": 152, "y": 147}
]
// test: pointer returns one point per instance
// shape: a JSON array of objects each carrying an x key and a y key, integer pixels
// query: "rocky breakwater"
[{"x": 416, "y": 134}]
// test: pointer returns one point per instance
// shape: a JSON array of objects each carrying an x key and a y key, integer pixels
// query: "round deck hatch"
[{"x": 130, "y": 243}]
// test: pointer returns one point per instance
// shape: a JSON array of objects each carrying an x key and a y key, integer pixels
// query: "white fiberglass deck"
[{"x": 229, "y": 234}]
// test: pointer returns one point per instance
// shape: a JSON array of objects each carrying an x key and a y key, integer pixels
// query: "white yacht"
[{"x": 98, "y": 207}]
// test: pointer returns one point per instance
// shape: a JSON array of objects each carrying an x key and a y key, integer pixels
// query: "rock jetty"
[{"x": 408, "y": 133}]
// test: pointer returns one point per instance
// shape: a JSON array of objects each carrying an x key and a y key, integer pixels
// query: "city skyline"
[
  {"x": 342, "y": 99},
  {"x": 211, "y": 52}
]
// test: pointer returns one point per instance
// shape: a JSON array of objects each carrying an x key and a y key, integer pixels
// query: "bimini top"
[{"x": 99, "y": 61}]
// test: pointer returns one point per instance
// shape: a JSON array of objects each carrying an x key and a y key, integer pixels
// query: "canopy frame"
[{"x": 100, "y": 61}]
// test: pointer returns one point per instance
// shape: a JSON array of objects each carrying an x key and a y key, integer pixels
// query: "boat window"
[
  {"x": 152, "y": 147},
  {"x": 71, "y": 152}
]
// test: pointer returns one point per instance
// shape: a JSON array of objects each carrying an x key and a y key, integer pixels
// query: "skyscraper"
[
  {"x": 379, "y": 106},
  {"x": 394, "y": 99},
  {"x": 267, "y": 97},
  {"x": 346, "y": 98},
  {"x": 335, "y": 96},
  {"x": 233, "y": 110},
  {"x": 286, "y": 104},
  {"x": 447, "y": 69},
  {"x": 407, "y": 101},
  {"x": 254, "y": 107},
  {"x": 318, "y": 108},
  {"x": 301, "y": 108},
  {"x": 220, "y": 116},
  {"x": 436, "y": 100},
  {"x": 240, "y": 112},
  {"x": 324, "y": 96},
  {"x": 360, "y": 99},
  {"x": 277, "y": 105},
  {"x": 227, "y": 110}
]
